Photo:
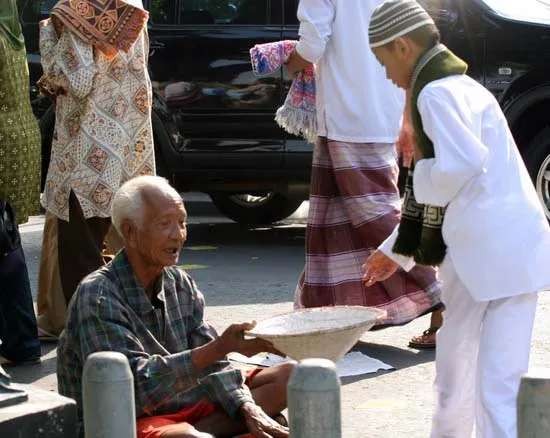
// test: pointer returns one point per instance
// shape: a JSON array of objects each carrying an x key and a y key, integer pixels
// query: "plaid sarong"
[
  {"x": 298, "y": 114},
  {"x": 354, "y": 206}
]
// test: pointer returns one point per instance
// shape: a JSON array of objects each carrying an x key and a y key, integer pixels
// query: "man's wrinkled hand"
[
  {"x": 233, "y": 340},
  {"x": 378, "y": 267},
  {"x": 261, "y": 425}
]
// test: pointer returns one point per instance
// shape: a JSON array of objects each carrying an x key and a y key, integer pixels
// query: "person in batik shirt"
[
  {"x": 94, "y": 56},
  {"x": 354, "y": 199}
]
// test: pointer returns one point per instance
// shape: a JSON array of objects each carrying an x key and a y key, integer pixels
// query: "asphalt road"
[{"x": 251, "y": 274}]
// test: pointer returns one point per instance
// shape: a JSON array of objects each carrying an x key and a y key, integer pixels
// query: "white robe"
[
  {"x": 355, "y": 102},
  {"x": 498, "y": 253},
  {"x": 495, "y": 229}
]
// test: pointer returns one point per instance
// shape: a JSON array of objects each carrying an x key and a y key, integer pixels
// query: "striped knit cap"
[{"x": 395, "y": 18}]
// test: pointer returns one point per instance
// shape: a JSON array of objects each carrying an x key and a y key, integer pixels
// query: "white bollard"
[
  {"x": 314, "y": 400},
  {"x": 534, "y": 405},
  {"x": 108, "y": 396}
]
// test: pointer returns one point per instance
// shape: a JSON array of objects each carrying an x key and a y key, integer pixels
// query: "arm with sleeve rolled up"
[
  {"x": 316, "y": 17},
  {"x": 459, "y": 153},
  {"x": 222, "y": 382}
]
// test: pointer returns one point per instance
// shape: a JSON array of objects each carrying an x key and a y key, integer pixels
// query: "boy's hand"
[{"x": 378, "y": 267}]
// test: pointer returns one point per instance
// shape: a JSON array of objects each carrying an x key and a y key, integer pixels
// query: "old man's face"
[{"x": 163, "y": 232}]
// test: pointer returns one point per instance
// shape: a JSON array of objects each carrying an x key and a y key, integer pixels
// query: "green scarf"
[
  {"x": 419, "y": 234},
  {"x": 9, "y": 24}
]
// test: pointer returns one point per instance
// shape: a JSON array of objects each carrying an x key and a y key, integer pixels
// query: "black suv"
[{"x": 213, "y": 119}]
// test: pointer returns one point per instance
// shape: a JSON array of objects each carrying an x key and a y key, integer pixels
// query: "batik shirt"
[
  {"x": 103, "y": 132},
  {"x": 112, "y": 312}
]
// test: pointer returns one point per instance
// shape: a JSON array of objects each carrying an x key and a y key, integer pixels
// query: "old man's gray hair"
[{"x": 128, "y": 201}]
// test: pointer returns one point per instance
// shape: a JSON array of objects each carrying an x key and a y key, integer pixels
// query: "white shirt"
[
  {"x": 355, "y": 101},
  {"x": 497, "y": 235}
]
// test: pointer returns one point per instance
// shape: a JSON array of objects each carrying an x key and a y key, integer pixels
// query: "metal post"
[
  {"x": 534, "y": 405},
  {"x": 108, "y": 396},
  {"x": 314, "y": 400}
]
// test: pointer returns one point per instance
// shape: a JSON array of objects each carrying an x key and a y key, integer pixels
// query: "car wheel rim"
[
  {"x": 251, "y": 201},
  {"x": 543, "y": 185}
]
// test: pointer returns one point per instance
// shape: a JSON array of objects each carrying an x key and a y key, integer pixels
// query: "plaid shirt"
[{"x": 111, "y": 312}]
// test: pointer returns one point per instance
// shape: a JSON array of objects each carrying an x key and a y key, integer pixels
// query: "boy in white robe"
[{"x": 472, "y": 208}]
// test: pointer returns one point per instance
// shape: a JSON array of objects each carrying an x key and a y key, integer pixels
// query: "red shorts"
[{"x": 154, "y": 427}]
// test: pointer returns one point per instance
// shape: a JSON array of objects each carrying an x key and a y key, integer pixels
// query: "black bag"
[{"x": 10, "y": 240}]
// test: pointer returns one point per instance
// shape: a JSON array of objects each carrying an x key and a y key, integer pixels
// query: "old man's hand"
[
  {"x": 378, "y": 267},
  {"x": 233, "y": 340},
  {"x": 261, "y": 425}
]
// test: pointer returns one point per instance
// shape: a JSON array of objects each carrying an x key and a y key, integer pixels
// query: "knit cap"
[{"x": 395, "y": 18}]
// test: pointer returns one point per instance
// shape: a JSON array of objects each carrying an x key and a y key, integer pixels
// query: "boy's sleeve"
[
  {"x": 459, "y": 153},
  {"x": 386, "y": 247},
  {"x": 316, "y": 17}
]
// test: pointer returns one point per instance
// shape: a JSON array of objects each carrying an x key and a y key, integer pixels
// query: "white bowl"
[{"x": 322, "y": 332}]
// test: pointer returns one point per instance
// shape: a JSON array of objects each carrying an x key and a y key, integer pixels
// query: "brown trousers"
[
  {"x": 51, "y": 303},
  {"x": 70, "y": 251}
]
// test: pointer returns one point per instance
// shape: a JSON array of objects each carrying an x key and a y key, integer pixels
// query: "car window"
[
  {"x": 230, "y": 12},
  {"x": 162, "y": 11}
]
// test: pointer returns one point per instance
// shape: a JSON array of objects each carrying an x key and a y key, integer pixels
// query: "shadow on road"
[{"x": 231, "y": 233}]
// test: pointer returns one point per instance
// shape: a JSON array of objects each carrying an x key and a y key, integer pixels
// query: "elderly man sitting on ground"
[{"x": 145, "y": 307}]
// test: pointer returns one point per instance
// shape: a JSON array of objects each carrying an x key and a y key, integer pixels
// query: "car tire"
[
  {"x": 47, "y": 126},
  {"x": 537, "y": 161},
  {"x": 257, "y": 209}
]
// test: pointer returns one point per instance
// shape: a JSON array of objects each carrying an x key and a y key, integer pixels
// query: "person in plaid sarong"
[{"x": 354, "y": 198}]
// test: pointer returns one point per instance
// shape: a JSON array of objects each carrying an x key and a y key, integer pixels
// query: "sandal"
[{"x": 425, "y": 341}]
